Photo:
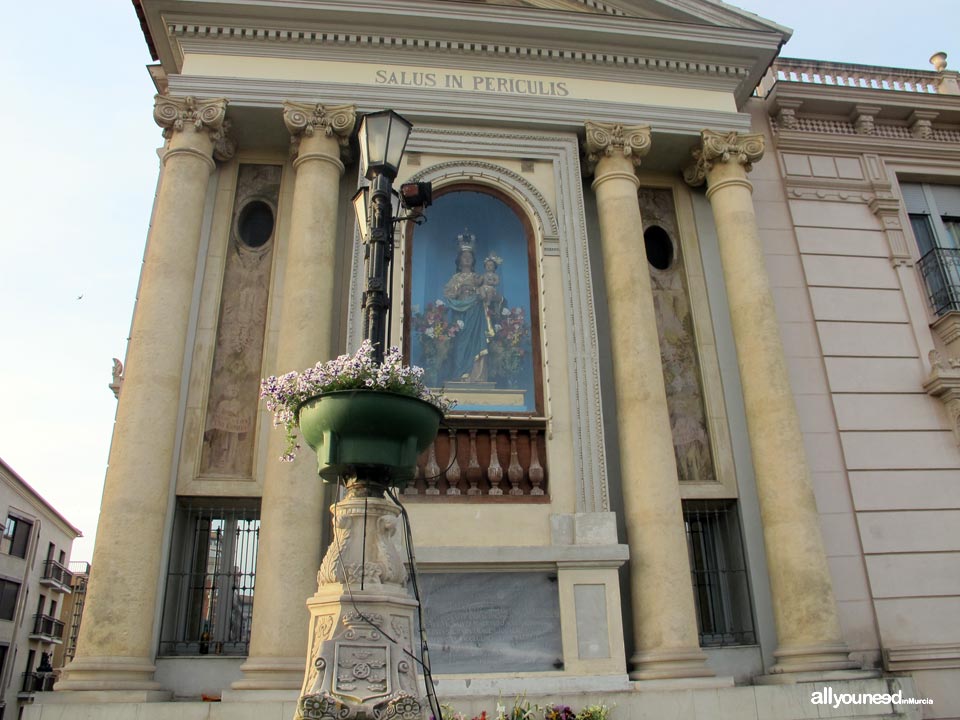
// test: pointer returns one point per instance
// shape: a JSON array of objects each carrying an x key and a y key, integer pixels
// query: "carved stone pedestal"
[{"x": 360, "y": 663}]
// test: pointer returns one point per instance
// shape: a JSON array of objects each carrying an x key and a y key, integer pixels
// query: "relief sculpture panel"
[
  {"x": 228, "y": 437},
  {"x": 678, "y": 349}
]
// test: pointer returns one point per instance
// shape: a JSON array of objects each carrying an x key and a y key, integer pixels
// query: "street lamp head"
[
  {"x": 383, "y": 138},
  {"x": 361, "y": 206}
]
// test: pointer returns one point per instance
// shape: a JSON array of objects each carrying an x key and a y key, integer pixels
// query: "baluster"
[
  {"x": 453, "y": 472},
  {"x": 431, "y": 471},
  {"x": 514, "y": 471},
  {"x": 411, "y": 488},
  {"x": 536, "y": 469},
  {"x": 494, "y": 471},
  {"x": 474, "y": 472}
]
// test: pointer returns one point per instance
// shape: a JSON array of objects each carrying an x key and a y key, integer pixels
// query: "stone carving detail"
[
  {"x": 609, "y": 139},
  {"x": 401, "y": 706},
  {"x": 228, "y": 436},
  {"x": 681, "y": 371},
  {"x": 362, "y": 671},
  {"x": 346, "y": 562},
  {"x": 723, "y": 147},
  {"x": 321, "y": 631},
  {"x": 944, "y": 383},
  {"x": 408, "y": 679},
  {"x": 173, "y": 114},
  {"x": 332, "y": 120},
  {"x": 321, "y": 706},
  {"x": 863, "y": 118},
  {"x": 117, "y": 378},
  {"x": 401, "y": 629},
  {"x": 887, "y": 209}
]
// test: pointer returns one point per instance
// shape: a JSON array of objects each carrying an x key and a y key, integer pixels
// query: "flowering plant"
[
  {"x": 559, "y": 712},
  {"x": 509, "y": 347},
  {"x": 436, "y": 333},
  {"x": 285, "y": 394}
]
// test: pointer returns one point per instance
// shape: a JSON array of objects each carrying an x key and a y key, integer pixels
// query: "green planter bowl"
[{"x": 368, "y": 431}]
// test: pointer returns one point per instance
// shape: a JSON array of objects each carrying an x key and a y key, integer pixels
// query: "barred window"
[
  {"x": 208, "y": 602},
  {"x": 718, "y": 571}
]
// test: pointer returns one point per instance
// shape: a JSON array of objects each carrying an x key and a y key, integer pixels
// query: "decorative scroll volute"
[
  {"x": 723, "y": 148},
  {"x": 610, "y": 139},
  {"x": 306, "y": 119},
  {"x": 174, "y": 114}
]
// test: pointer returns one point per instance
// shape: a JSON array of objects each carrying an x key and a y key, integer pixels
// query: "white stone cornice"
[
  {"x": 609, "y": 139},
  {"x": 716, "y": 147},
  {"x": 392, "y": 48}
]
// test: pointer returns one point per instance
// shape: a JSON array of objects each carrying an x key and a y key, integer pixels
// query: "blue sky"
[{"x": 79, "y": 145}]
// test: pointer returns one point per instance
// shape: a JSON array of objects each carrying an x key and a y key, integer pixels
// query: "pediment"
[{"x": 695, "y": 12}]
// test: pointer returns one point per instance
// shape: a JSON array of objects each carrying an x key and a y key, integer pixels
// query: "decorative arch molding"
[
  {"x": 508, "y": 181},
  {"x": 564, "y": 254}
]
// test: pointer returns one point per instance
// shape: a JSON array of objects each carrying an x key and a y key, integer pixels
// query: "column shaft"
[
  {"x": 115, "y": 647},
  {"x": 292, "y": 513},
  {"x": 664, "y": 619},
  {"x": 808, "y": 628}
]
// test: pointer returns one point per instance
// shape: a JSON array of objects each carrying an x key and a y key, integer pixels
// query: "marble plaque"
[{"x": 492, "y": 622}]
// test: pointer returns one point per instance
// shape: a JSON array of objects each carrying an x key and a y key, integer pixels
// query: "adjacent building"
[
  {"x": 700, "y": 308},
  {"x": 34, "y": 586}
]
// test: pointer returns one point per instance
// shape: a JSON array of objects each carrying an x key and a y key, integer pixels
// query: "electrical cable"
[
  {"x": 429, "y": 684},
  {"x": 353, "y": 601}
]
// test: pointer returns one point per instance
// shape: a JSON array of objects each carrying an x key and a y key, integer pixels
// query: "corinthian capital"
[
  {"x": 722, "y": 148},
  {"x": 173, "y": 114},
  {"x": 332, "y": 120},
  {"x": 609, "y": 139}
]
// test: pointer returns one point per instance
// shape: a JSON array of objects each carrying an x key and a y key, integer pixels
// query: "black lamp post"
[{"x": 383, "y": 138}]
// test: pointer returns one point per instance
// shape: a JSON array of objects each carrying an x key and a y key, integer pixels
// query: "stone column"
[
  {"x": 664, "y": 619},
  {"x": 115, "y": 648},
  {"x": 808, "y": 628},
  {"x": 292, "y": 514}
]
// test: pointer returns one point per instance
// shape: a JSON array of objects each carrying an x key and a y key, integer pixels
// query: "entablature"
[{"x": 736, "y": 54}]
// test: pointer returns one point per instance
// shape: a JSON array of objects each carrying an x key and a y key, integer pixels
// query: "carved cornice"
[
  {"x": 723, "y": 148},
  {"x": 610, "y": 139},
  {"x": 174, "y": 114},
  {"x": 335, "y": 121}
]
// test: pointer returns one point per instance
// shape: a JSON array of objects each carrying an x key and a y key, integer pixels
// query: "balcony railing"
[
  {"x": 484, "y": 459},
  {"x": 940, "y": 268},
  {"x": 46, "y": 628},
  {"x": 868, "y": 77},
  {"x": 34, "y": 682},
  {"x": 56, "y": 574}
]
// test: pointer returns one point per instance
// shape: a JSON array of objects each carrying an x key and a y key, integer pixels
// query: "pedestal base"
[
  {"x": 669, "y": 664},
  {"x": 360, "y": 662}
]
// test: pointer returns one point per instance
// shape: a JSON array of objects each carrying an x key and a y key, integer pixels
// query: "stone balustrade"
[
  {"x": 867, "y": 77},
  {"x": 488, "y": 459}
]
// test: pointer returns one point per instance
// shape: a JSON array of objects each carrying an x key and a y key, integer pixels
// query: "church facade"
[{"x": 699, "y": 308}]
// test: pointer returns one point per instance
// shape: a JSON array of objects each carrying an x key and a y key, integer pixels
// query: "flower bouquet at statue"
[{"x": 361, "y": 417}]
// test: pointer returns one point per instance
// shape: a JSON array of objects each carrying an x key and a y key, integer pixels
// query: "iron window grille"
[
  {"x": 718, "y": 572},
  {"x": 208, "y": 602}
]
